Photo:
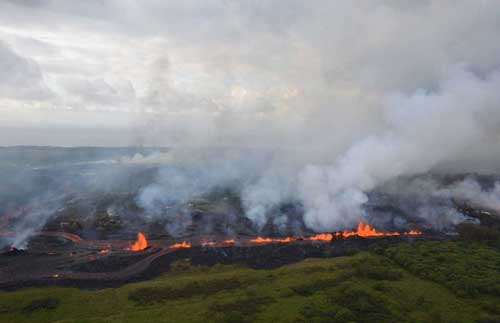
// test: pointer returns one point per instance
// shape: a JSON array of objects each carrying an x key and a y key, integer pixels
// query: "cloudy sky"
[{"x": 253, "y": 73}]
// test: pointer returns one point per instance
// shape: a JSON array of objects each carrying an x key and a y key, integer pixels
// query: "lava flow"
[
  {"x": 183, "y": 244},
  {"x": 363, "y": 230},
  {"x": 366, "y": 230},
  {"x": 413, "y": 233},
  {"x": 320, "y": 237},
  {"x": 140, "y": 244},
  {"x": 268, "y": 240}
]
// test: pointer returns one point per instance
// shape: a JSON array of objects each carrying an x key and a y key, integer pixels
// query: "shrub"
[
  {"x": 378, "y": 271},
  {"x": 344, "y": 315},
  {"x": 476, "y": 232},
  {"x": 310, "y": 288},
  {"x": 360, "y": 300},
  {"x": 239, "y": 310},
  {"x": 467, "y": 268},
  {"x": 149, "y": 295},
  {"x": 320, "y": 309},
  {"x": 365, "y": 304},
  {"x": 47, "y": 303},
  {"x": 180, "y": 266}
]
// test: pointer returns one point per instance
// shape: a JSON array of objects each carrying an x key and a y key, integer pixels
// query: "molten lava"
[
  {"x": 140, "y": 244},
  {"x": 103, "y": 251},
  {"x": 321, "y": 237},
  {"x": 366, "y": 230},
  {"x": 414, "y": 233},
  {"x": 363, "y": 230},
  {"x": 183, "y": 244},
  {"x": 269, "y": 240}
]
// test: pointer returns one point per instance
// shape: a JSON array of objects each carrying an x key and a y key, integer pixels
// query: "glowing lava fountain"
[
  {"x": 140, "y": 244},
  {"x": 366, "y": 230},
  {"x": 363, "y": 230}
]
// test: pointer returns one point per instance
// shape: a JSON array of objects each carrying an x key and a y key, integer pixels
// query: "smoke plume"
[{"x": 326, "y": 106}]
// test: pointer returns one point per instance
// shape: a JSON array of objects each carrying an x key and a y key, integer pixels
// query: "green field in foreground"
[{"x": 421, "y": 282}]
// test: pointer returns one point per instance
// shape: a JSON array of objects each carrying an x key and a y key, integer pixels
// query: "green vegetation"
[
  {"x": 47, "y": 303},
  {"x": 480, "y": 233},
  {"x": 468, "y": 269},
  {"x": 420, "y": 282},
  {"x": 149, "y": 295}
]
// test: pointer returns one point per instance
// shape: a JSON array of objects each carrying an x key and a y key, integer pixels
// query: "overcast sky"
[{"x": 123, "y": 72}]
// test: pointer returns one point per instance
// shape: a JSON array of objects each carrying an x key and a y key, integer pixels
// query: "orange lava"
[
  {"x": 365, "y": 230},
  {"x": 183, "y": 244},
  {"x": 103, "y": 251},
  {"x": 261, "y": 240},
  {"x": 269, "y": 240},
  {"x": 140, "y": 244},
  {"x": 320, "y": 237}
]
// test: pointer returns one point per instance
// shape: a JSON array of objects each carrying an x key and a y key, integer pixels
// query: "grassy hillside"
[{"x": 422, "y": 282}]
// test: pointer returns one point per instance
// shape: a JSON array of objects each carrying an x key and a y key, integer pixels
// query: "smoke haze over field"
[{"x": 315, "y": 102}]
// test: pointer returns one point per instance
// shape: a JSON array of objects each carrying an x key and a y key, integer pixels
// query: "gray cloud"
[{"x": 20, "y": 77}]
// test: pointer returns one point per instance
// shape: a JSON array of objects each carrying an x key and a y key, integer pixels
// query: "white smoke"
[
  {"x": 423, "y": 130},
  {"x": 36, "y": 214},
  {"x": 318, "y": 103},
  {"x": 469, "y": 190}
]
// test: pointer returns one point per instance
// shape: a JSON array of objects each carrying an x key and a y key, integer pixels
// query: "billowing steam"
[
  {"x": 301, "y": 114},
  {"x": 423, "y": 130}
]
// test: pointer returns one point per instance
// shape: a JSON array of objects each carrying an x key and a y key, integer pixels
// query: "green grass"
[{"x": 422, "y": 282}]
